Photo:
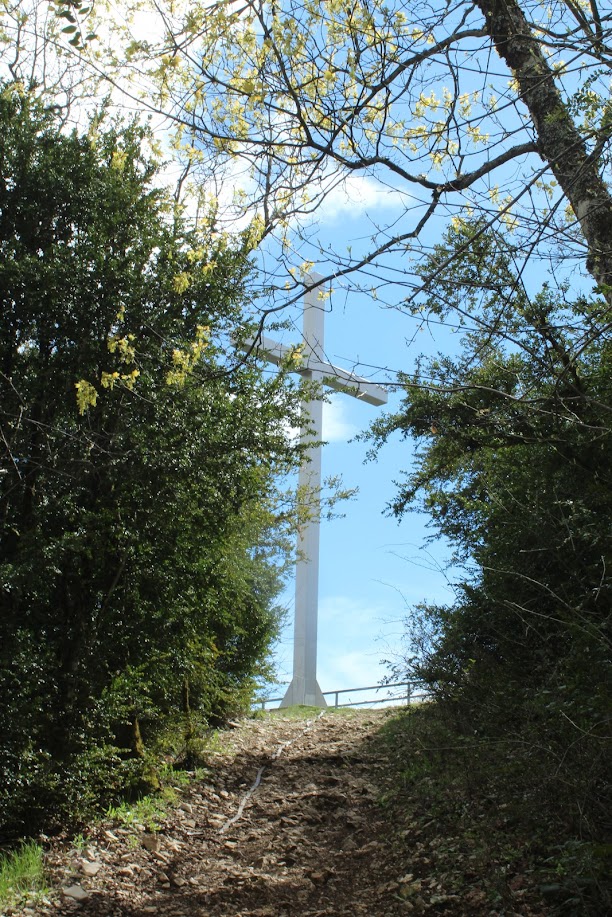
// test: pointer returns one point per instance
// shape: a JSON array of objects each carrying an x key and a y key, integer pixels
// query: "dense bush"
[
  {"x": 140, "y": 548},
  {"x": 515, "y": 469}
]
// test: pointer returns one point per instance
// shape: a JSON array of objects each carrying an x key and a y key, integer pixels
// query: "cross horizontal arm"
[{"x": 341, "y": 380}]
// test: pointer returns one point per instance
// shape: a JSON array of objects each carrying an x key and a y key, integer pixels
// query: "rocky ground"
[{"x": 288, "y": 822}]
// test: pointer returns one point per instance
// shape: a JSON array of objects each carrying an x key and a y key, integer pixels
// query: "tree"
[
  {"x": 493, "y": 119},
  {"x": 143, "y": 539},
  {"x": 497, "y": 108},
  {"x": 514, "y": 468}
]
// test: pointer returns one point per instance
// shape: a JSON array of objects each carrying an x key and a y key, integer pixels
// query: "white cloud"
[
  {"x": 353, "y": 641},
  {"x": 337, "y": 428},
  {"x": 359, "y": 194},
  {"x": 350, "y": 671},
  {"x": 336, "y": 425},
  {"x": 348, "y": 609},
  {"x": 355, "y": 637},
  {"x": 354, "y": 669}
]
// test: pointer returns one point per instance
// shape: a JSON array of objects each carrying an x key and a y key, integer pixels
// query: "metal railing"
[{"x": 410, "y": 695}]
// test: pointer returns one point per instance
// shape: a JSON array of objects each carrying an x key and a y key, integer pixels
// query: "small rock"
[
  {"x": 173, "y": 844},
  {"x": 90, "y": 869},
  {"x": 321, "y": 876},
  {"x": 76, "y": 893},
  {"x": 151, "y": 842},
  {"x": 161, "y": 857},
  {"x": 371, "y": 845},
  {"x": 410, "y": 889}
]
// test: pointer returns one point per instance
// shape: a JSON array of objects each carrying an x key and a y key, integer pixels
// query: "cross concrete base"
[{"x": 298, "y": 694}]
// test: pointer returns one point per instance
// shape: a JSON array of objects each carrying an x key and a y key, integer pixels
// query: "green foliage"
[
  {"x": 515, "y": 469},
  {"x": 474, "y": 804},
  {"x": 21, "y": 872},
  {"x": 141, "y": 549},
  {"x": 147, "y": 812},
  {"x": 445, "y": 104}
]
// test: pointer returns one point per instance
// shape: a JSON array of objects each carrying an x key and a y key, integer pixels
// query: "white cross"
[{"x": 304, "y": 688}]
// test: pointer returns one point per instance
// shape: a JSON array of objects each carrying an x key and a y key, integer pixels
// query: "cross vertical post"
[{"x": 304, "y": 688}]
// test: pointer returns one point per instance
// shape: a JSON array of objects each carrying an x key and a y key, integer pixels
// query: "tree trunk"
[{"x": 558, "y": 141}]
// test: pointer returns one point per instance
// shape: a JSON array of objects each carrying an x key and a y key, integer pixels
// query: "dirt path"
[
  {"x": 309, "y": 839},
  {"x": 289, "y": 825}
]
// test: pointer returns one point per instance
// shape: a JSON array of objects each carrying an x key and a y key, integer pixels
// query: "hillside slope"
[{"x": 291, "y": 821}]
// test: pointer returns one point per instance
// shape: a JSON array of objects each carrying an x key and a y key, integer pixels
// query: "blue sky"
[{"x": 372, "y": 568}]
